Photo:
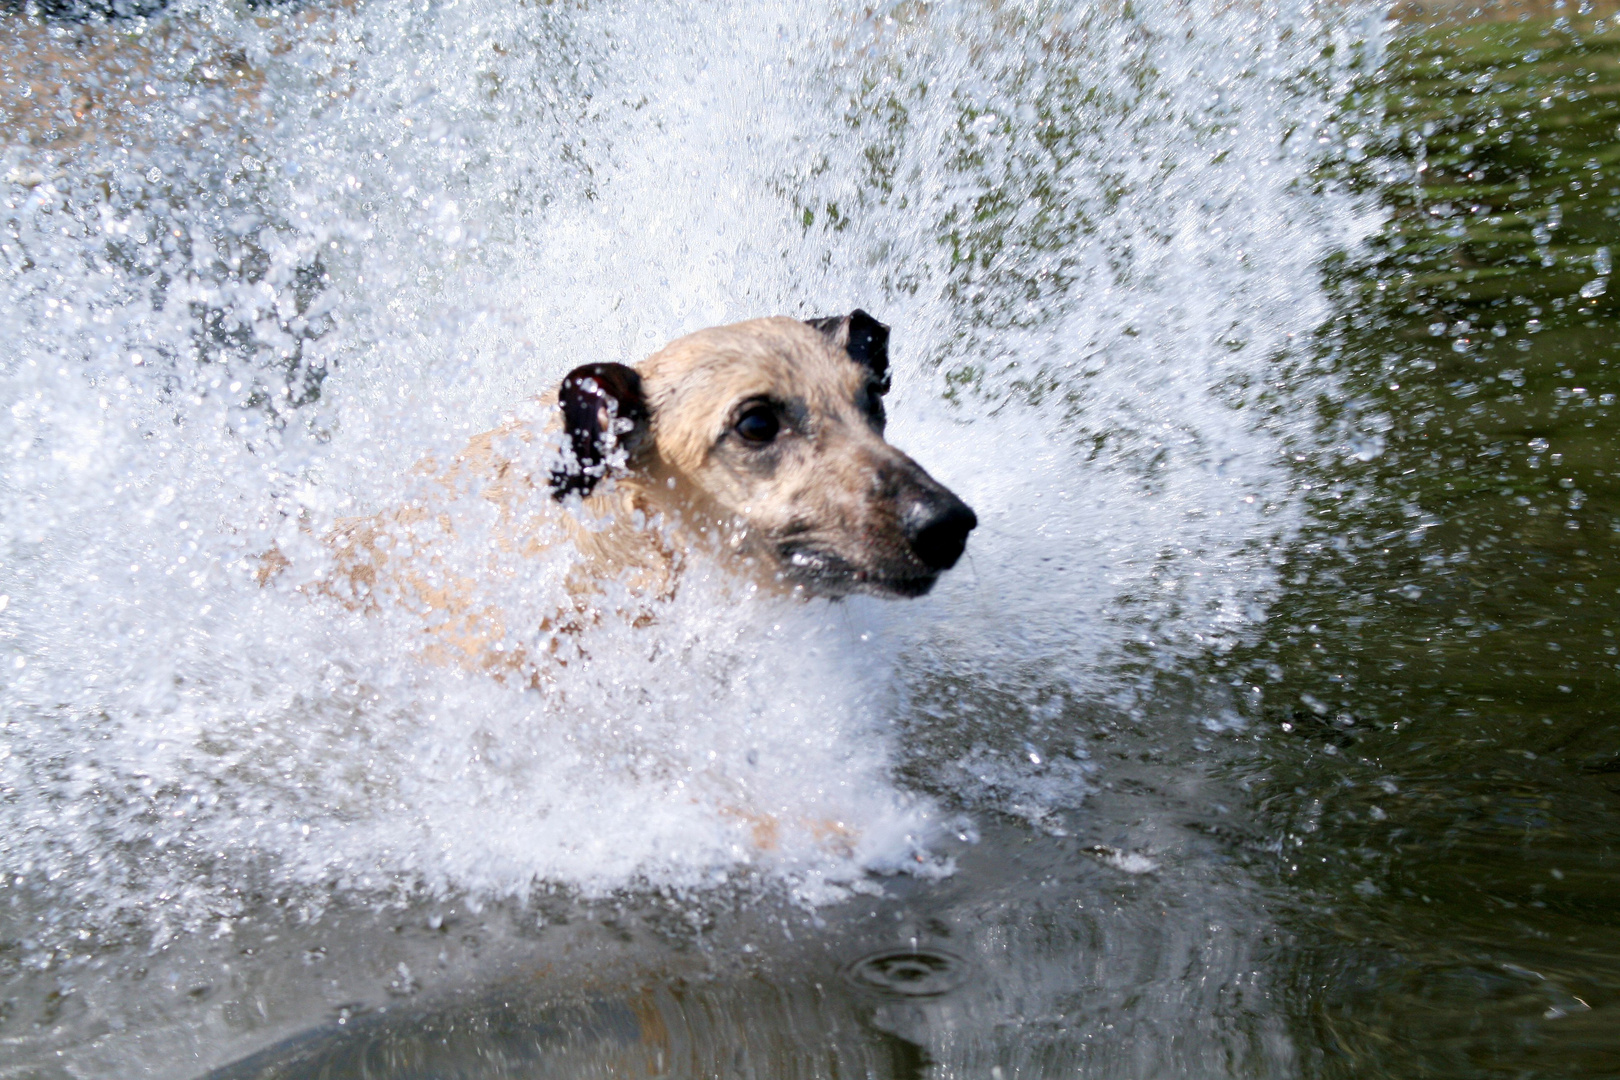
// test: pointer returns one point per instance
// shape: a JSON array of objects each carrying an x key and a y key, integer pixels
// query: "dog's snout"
[{"x": 937, "y": 525}]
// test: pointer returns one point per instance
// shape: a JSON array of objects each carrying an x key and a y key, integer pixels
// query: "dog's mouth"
[{"x": 825, "y": 573}]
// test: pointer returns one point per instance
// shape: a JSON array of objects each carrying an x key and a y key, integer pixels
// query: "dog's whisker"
[
  {"x": 993, "y": 531},
  {"x": 979, "y": 587}
]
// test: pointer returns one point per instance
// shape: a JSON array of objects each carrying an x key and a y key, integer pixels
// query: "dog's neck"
[{"x": 651, "y": 522}]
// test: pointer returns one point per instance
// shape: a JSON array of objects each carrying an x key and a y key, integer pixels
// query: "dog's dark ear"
[
  {"x": 604, "y": 411},
  {"x": 863, "y": 337}
]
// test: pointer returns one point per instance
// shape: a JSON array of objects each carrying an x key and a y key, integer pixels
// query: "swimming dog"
[{"x": 762, "y": 442}]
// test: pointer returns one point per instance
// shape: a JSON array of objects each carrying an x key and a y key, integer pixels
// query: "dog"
[{"x": 761, "y": 442}]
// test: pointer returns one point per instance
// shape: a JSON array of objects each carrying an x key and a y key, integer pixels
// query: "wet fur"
[{"x": 820, "y": 511}]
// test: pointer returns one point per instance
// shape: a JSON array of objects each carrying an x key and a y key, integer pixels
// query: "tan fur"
[{"x": 691, "y": 488}]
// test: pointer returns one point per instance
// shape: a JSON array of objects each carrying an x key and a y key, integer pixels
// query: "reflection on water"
[
  {"x": 1442, "y": 742},
  {"x": 1034, "y": 958},
  {"x": 1262, "y": 733}
]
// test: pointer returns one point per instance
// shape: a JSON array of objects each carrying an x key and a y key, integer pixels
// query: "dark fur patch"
[
  {"x": 604, "y": 410},
  {"x": 864, "y": 338}
]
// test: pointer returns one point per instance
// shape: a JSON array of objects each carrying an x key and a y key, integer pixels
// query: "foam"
[{"x": 437, "y": 211}]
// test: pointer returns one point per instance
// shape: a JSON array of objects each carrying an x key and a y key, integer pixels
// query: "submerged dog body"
[{"x": 761, "y": 442}]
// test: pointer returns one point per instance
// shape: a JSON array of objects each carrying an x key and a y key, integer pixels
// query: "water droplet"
[{"x": 909, "y": 972}]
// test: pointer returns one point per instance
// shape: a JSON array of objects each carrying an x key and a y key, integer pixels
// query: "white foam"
[{"x": 495, "y": 193}]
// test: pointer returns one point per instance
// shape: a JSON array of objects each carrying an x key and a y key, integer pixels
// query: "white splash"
[{"x": 1095, "y": 231}]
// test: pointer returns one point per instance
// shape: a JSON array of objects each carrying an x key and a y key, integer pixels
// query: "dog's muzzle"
[{"x": 926, "y": 536}]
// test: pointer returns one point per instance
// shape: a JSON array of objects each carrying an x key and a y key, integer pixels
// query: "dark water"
[
  {"x": 1403, "y": 863},
  {"x": 1442, "y": 758}
]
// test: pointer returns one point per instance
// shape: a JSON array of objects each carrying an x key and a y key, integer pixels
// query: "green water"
[
  {"x": 1405, "y": 866},
  {"x": 1441, "y": 681},
  {"x": 1433, "y": 783}
]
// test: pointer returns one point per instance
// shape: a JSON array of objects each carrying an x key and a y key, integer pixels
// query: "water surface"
[{"x": 1264, "y": 731}]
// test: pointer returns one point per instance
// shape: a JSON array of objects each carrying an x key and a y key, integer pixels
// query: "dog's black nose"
[{"x": 937, "y": 527}]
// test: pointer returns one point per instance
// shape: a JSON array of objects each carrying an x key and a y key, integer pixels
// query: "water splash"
[{"x": 282, "y": 256}]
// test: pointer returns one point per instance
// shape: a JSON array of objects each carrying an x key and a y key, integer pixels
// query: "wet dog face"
[{"x": 773, "y": 429}]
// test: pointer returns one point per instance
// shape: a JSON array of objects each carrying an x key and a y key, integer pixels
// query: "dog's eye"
[{"x": 758, "y": 425}]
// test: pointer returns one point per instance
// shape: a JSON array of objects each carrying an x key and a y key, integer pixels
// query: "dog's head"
[{"x": 774, "y": 430}]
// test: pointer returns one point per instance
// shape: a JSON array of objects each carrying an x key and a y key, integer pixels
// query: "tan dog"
[{"x": 761, "y": 442}]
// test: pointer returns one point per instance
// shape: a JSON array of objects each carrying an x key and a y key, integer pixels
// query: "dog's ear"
[
  {"x": 863, "y": 337},
  {"x": 604, "y": 412}
]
